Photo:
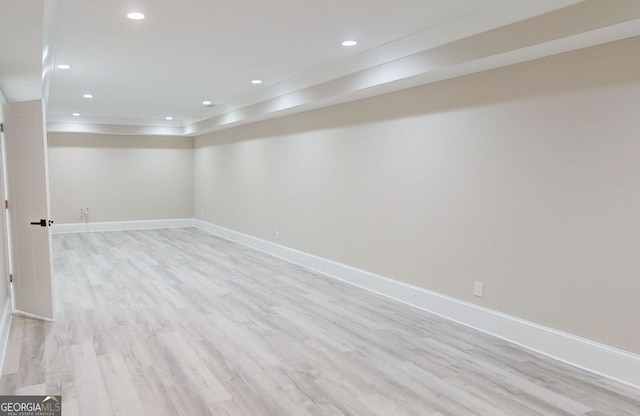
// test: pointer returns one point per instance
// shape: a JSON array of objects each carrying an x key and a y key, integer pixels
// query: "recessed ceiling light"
[
  {"x": 256, "y": 81},
  {"x": 349, "y": 43},
  {"x": 76, "y": 114},
  {"x": 63, "y": 66},
  {"x": 168, "y": 118},
  {"x": 88, "y": 96},
  {"x": 135, "y": 15},
  {"x": 206, "y": 102}
]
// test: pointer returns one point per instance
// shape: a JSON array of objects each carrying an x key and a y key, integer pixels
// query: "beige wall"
[
  {"x": 526, "y": 178},
  {"x": 120, "y": 178}
]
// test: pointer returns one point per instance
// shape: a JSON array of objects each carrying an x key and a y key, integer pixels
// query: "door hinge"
[
  {"x": 6, "y": 204},
  {"x": 10, "y": 278},
  {"x": 1, "y": 127}
]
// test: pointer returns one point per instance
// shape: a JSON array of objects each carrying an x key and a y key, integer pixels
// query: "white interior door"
[{"x": 29, "y": 210}]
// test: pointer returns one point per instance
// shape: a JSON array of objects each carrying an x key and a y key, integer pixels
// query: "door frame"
[{"x": 4, "y": 225}]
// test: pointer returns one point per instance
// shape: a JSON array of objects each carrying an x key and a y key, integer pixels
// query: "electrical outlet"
[
  {"x": 477, "y": 289},
  {"x": 277, "y": 234}
]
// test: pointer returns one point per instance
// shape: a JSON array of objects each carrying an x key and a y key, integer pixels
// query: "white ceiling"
[
  {"x": 21, "y": 49},
  {"x": 185, "y": 52}
]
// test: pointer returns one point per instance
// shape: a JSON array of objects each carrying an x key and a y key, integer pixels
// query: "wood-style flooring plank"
[{"x": 178, "y": 322}]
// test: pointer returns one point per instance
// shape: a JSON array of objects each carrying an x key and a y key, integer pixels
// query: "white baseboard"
[
  {"x": 5, "y": 326},
  {"x": 31, "y": 315},
  {"x": 120, "y": 226},
  {"x": 592, "y": 356}
]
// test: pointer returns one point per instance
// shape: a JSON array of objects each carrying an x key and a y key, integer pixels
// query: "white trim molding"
[
  {"x": 18, "y": 312},
  {"x": 88, "y": 227},
  {"x": 579, "y": 352},
  {"x": 5, "y": 327}
]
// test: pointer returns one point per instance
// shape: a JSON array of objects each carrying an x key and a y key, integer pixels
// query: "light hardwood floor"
[{"x": 178, "y": 322}]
